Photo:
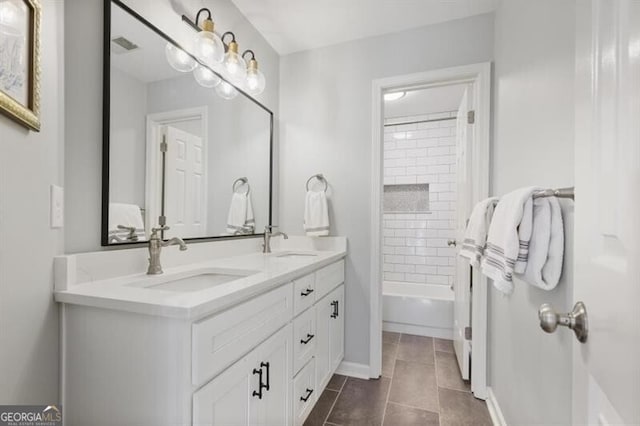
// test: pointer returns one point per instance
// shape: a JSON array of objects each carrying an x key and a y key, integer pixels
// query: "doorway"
[{"x": 410, "y": 198}]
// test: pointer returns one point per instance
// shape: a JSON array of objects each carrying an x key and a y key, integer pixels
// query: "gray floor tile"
[
  {"x": 462, "y": 409},
  {"x": 321, "y": 410},
  {"x": 390, "y": 337},
  {"x": 416, "y": 349},
  {"x": 361, "y": 402},
  {"x": 398, "y": 415},
  {"x": 389, "y": 351},
  {"x": 443, "y": 345},
  {"x": 336, "y": 382},
  {"x": 449, "y": 373},
  {"x": 414, "y": 384}
]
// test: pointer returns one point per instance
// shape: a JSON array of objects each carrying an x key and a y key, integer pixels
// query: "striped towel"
[
  {"x": 507, "y": 250},
  {"x": 475, "y": 235}
]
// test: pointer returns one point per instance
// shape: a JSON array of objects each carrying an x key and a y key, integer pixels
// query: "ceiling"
[
  {"x": 426, "y": 101},
  {"x": 295, "y": 25}
]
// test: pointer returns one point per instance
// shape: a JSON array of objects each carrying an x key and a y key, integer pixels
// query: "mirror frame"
[{"x": 106, "y": 121}]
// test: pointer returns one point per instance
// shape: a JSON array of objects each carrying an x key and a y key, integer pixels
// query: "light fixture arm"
[
  {"x": 208, "y": 12},
  {"x": 233, "y": 37},
  {"x": 253, "y": 55}
]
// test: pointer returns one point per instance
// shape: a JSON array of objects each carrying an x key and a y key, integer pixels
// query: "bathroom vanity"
[{"x": 246, "y": 339}]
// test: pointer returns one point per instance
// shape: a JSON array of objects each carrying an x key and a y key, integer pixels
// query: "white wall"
[
  {"x": 415, "y": 243},
  {"x": 83, "y": 104},
  {"x": 29, "y": 163},
  {"x": 530, "y": 371},
  {"x": 325, "y": 127}
]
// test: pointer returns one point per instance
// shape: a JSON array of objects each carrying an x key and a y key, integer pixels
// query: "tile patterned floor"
[{"x": 420, "y": 385}]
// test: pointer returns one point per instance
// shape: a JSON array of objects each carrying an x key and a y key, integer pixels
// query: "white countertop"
[{"x": 127, "y": 293}]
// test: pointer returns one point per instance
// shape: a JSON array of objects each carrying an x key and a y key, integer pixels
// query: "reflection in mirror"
[{"x": 180, "y": 153}]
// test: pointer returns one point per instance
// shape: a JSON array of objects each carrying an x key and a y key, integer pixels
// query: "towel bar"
[
  {"x": 559, "y": 193},
  {"x": 241, "y": 181}
]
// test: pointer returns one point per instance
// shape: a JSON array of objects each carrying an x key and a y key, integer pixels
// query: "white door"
[
  {"x": 275, "y": 356},
  {"x": 324, "y": 310},
  {"x": 606, "y": 371},
  {"x": 228, "y": 399},
  {"x": 462, "y": 280},
  {"x": 185, "y": 184}
]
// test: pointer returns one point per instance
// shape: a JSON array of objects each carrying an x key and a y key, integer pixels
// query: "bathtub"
[{"x": 421, "y": 309}]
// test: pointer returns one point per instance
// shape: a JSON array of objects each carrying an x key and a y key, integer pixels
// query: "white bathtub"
[{"x": 421, "y": 309}]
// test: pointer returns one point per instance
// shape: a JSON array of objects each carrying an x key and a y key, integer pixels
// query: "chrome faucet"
[
  {"x": 268, "y": 234},
  {"x": 155, "y": 248}
]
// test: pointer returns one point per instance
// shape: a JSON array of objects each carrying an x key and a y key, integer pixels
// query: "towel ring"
[
  {"x": 321, "y": 178},
  {"x": 241, "y": 181}
]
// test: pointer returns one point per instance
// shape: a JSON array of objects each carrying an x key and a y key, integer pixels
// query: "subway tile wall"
[{"x": 415, "y": 243}]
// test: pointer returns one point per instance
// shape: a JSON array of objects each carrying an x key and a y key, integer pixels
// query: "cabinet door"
[
  {"x": 324, "y": 310},
  {"x": 275, "y": 358},
  {"x": 336, "y": 328},
  {"x": 226, "y": 400}
]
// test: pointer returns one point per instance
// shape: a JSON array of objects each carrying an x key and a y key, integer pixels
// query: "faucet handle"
[
  {"x": 154, "y": 231},
  {"x": 269, "y": 228}
]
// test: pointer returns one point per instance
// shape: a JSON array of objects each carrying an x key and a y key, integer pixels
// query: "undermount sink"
[
  {"x": 294, "y": 255},
  {"x": 197, "y": 281}
]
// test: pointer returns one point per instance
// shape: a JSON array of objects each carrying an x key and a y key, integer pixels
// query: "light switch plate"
[{"x": 57, "y": 207}]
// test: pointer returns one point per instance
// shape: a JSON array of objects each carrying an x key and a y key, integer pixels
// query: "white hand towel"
[
  {"x": 238, "y": 211},
  {"x": 546, "y": 249},
  {"x": 316, "y": 214},
  {"x": 125, "y": 215},
  {"x": 507, "y": 249},
  {"x": 250, "y": 221},
  {"x": 475, "y": 235}
]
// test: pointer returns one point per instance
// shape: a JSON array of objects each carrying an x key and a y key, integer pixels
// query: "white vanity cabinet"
[
  {"x": 254, "y": 391},
  {"x": 263, "y": 361}
]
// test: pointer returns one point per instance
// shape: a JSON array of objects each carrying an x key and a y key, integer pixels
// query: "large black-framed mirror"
[{"x": 176, "y": 153}]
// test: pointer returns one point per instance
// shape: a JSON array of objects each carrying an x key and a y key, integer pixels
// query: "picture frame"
[{"x": 20, "y": 22}]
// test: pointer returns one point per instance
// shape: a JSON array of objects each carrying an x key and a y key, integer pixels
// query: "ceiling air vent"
[{"x": 122, "y": 45}]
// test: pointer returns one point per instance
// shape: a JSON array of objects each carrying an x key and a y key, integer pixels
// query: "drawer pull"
[
  {"x": 308, "y": 339},
  {"x": 266, "y": 364},
  {"x": 306, "y": 398},
  {"x": 307, "y": 292},
  {"x": 335, "y": 309},
  {"x": 258, "y": 393}
]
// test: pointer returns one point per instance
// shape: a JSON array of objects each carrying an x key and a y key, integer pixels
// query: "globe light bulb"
[
  {"x": 179, "y": 59},
  {"x": 255, "y": 82},
  {"x": 234, "y": 65},
  {"x": 205, "y": 77},
  {"x": 207, "y": 46},
  {"x": 226, "y": 90}
]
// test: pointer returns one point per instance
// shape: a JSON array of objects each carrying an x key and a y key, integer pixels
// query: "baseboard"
[
  {"x": 494, "y": 409},
  {"x": 353, "y": 369},
  {"x": 418, "y": 330}
]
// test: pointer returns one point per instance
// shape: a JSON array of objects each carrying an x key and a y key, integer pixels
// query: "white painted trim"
[
  {"x": 154, "y": 121},
  {"x": 353, "y": 369},
  {"x": 418, "y": 330},
  {"x": 494, "y": 409},
  {"x": 480, "y": 76}
]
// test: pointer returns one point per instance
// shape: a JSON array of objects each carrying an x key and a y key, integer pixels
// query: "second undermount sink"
[
  {"x": 196, "y": 281},
  {"x": 294, "y": 255}
]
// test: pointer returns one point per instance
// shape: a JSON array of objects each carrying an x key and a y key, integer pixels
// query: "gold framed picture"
[{"x": 20, "y": 61}]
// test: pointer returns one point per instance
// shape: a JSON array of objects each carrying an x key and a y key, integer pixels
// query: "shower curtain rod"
[{"x": 420, "y": 121}]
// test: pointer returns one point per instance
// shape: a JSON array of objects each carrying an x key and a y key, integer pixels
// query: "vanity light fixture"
[
  {"x": 179, "y": 59},
  {"x": 207, "y": 46},
  {"x": 205, "y": 77},
  {"x": 255, "y": 81},
  {"x": 394, "y": 96},
  {"x": 226, "y": 90},
  {"x": 233, "y": 64}
]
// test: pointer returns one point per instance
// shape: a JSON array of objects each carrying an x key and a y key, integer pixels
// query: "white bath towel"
[
  {"x": 546, "y": 249},
  {"x": 475, "y": 235},
  {"x": 240, "y": 219},
  {"x": 507, "y": 249},
  {"x": 123, "y": 217},
  {"x": 316, "y": 214}
]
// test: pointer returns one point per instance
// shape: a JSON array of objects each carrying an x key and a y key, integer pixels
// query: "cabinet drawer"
[
  {"x": 329, "y": 278},
  {"x": 220, "y": 340},
  {"x": 304, "y": 338},
  {"x": 304, "y": 393},
  {"x": 304, "y": 294}
]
